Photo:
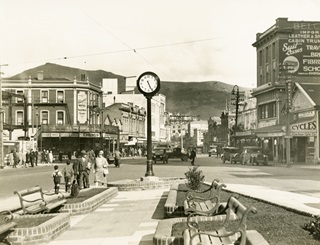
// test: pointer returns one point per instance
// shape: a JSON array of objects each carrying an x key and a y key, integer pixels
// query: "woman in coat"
[{"x": 100, "y": 169}]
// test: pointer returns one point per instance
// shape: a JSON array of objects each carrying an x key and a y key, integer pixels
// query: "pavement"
[{"x": 131, "y": 217}]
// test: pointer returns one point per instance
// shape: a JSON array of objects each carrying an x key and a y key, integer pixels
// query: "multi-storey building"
[
  {"x": 130, "y": 119},
  {"x": 160, "y": 132},
  {"x": 59, "y": 114},
  {"x": 179, "y": 127},
  {"x": 287, "y": 53}
]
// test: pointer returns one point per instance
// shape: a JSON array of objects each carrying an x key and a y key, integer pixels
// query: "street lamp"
[{"x": 1, "y": 121}]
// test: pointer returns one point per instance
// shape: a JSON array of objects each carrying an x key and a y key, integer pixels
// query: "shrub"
[
  {"x": 195, "y": 177},
  {"x": 313, "y": 227}
]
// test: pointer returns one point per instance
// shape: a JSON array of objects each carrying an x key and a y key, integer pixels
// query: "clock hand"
[{"x": 149, "y": 84}]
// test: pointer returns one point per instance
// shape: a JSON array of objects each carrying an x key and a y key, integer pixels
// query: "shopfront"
[{"x": 304, "y": 133}]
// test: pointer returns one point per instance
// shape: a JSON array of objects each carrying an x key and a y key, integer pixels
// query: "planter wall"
[
  {"x": 41, "y": 234},
  {"x": 90, "y": 204}
]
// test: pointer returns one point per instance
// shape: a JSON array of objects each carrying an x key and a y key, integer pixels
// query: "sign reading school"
[{"x": 301, "y": 49}]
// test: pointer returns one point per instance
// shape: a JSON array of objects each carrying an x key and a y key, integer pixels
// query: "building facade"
[
  {"x": 287, "y": 53},
  {"x": 61, "y": 115}
]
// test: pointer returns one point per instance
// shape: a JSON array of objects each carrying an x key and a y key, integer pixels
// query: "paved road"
[{"x": 300, "y": 179}]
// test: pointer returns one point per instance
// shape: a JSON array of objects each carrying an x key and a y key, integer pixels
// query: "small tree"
[{"x": 195, "y": 177}]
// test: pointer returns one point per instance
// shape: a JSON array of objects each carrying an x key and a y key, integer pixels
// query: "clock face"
[{"x": 148, "y": 83}]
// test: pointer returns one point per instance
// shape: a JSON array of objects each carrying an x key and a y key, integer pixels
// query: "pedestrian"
[
  {"x": 27, "y": 159},
  {"x": 68, "y": 174},
  {"x": 60, "y": 156},
  {"x": 193, "y": 155},
  {"x": 56, "y": 175},
  {"x": 32, "y": 156},
  {"x": 165, "y": 157},
  {"x": 16, "y": 159},
  {"x": 50, "y": 157},
  {"x": 100, "y": 169},
  {"x": 36, "y": 153},
  {"x": 11, "y": 160},
  {"x": 117, "y": 158},
  {"x": 80, "y": 170}
]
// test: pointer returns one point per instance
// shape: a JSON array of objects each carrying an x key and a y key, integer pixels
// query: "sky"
[{"x": 179, "y": 40}]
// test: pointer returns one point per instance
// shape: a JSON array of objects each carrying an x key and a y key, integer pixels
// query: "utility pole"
[
  {"x": 1, "y": 121},
  {"x": 285, "y": 70},
  {"x": 237, "y": 97}
]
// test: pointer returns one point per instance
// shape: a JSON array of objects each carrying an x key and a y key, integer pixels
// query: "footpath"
[{"x": 131, "y": 217}]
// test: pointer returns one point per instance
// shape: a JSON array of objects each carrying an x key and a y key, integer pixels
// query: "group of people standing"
[{"x": 79, "y": 172}]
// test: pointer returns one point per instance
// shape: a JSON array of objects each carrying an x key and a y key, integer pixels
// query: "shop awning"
[{"x": 271, "y": 131}]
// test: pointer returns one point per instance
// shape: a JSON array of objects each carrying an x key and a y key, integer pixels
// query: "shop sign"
[
  {"x": 45, "y": 134},
  {"x": 90, "y": 135},
  {"x": 308, "y": 128},
  {"x": 109, "y": 136},
  {"x": 54, "y": 135},
  {"x": 64, "y": 134},
  {"x": 306, "y": 114},
  {"x": 301, "y": 50}
]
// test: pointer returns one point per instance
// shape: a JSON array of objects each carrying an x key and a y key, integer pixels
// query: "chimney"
[{"x": 40, "y": 75}]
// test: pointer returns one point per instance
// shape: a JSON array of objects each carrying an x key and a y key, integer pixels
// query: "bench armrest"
[{"x": 8, "y": 215}]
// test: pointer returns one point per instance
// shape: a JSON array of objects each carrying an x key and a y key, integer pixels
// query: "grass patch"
[
  {"x": 27, "y": 222},
  {"x": 84, "y": 195},
  {"x": 278, "y": 225}
]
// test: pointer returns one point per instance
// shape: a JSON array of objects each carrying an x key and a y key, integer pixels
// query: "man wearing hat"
[{"x": 79, "y": 168}]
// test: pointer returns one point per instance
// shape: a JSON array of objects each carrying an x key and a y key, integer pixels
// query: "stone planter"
[
  {"x": 42, "y": 234},
  {"x": 90, "y": 204}
]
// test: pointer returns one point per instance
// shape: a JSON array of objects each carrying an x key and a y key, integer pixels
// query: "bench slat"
[
  {"x": 224, "y": 240},
  {"x": 205, "y": 240}
]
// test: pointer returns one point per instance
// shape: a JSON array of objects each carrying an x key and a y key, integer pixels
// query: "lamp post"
[
  {"x": 235, "y": 92},
  {"x": 1, "y": 121}
]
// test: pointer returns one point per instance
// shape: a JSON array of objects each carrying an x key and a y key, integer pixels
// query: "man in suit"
[{"x": 81, "y": 173}]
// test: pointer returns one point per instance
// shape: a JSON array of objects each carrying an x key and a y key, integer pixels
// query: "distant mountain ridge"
[{"x": 205, "y": 99}]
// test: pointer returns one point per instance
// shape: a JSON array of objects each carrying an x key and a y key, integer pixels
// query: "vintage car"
[
  {"x": 178, "y": 153},
  {"x": 212, "y": 151},
  {"x": 231, "y": 154},
  {"x": 252, "y": 155}
]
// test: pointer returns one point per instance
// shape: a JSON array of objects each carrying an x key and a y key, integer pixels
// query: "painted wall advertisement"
[
  {"x": 301, "y": 51},
  {"x": 82, "y": 107}
]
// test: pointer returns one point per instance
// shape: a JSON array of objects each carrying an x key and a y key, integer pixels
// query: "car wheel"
[{"x": 184, "y": 159}]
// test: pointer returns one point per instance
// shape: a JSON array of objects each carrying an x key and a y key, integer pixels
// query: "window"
[
  {"x": 44, "y": 117},
  {"x": 19, "y": 99},
  {"x": 267, "y": 54},
  {"x": 268, "y": 110},
  {"x": 60, "y": 96},
  {"x": 44, "y": 96},
  {"x": 60, "y": 117},
  {"x": 20, "y": 118}
]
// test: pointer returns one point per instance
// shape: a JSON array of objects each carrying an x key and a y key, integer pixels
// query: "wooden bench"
[
  {"x": 223, "y": 235},
  {"x": 8, "y": 224},
  {"x": 208, "y": 203},
  {"x": 33, "y": 202}
]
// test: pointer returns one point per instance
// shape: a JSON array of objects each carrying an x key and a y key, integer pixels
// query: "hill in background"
[{"x": 205, "y": 99}]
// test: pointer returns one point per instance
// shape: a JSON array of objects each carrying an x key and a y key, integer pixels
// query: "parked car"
[
  {"x": 252, "y": 155},
  {"x": 231, "y": 154},
  {"x": 212, "y": 151}
]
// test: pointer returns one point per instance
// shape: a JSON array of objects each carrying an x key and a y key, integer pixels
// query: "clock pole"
[
  {"x": 148, "y": 84},
  {"x": 149, "y": 139}
]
